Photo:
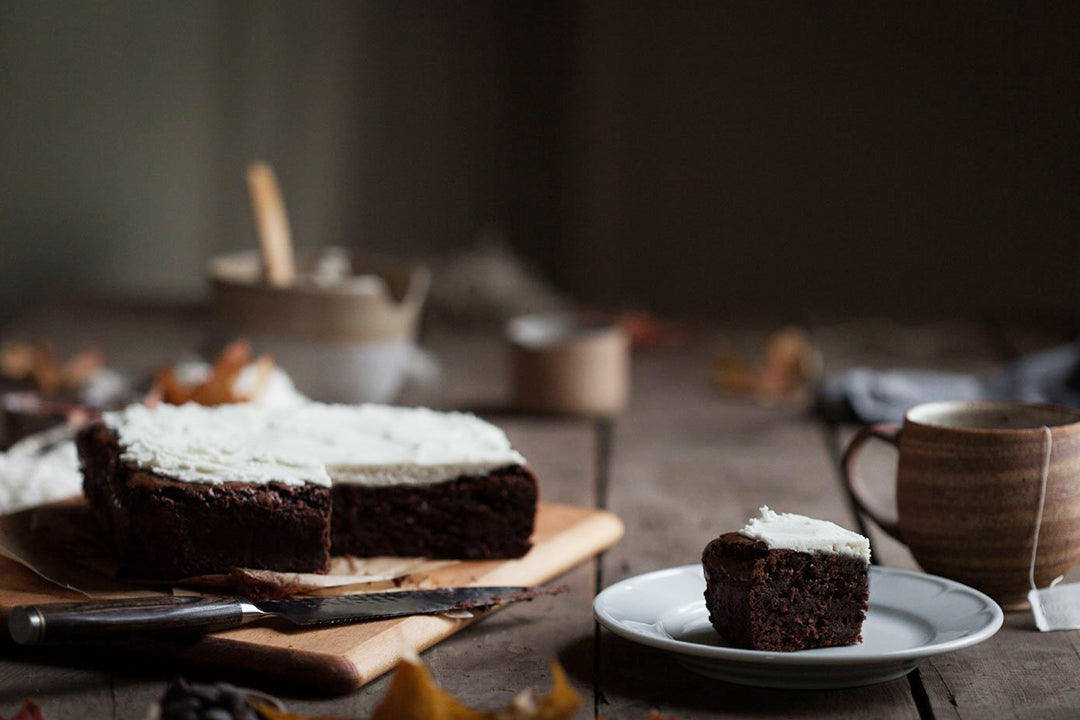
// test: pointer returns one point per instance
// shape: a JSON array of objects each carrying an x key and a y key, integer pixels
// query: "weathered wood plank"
[
  {"x": 635, "y": 679},
  {"x": 689, "y": 464},
  {"x": 63, "y": 692},
  {"x": 1019, "y": 673}
]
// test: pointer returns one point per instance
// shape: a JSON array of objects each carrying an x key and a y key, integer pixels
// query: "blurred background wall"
[{"x": 705, "y": 157}]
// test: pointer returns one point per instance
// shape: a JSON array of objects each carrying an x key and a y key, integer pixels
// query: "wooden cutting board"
[{"x": 342, "y": 658}]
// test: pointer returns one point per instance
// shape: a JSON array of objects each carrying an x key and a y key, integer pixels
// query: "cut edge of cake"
[
  {"x": 787, "y": 582},
  {"x": 162, "y": 528},
  {"x": 472, "y": 517}
]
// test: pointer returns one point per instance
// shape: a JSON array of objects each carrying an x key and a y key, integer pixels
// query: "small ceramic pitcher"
[{"x": 348, "y": 341}]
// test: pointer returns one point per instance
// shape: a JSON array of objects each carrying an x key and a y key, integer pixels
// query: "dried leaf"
[
  {"x": 218, "y": 387},
  {"x": 47, "y": 374},
  {"x": 38, "y": 364},
  {"x": 413, "y": 695},
  {"x": 649, "y": 332},
  {"x": 789, "y": 368},
  {"x": 17, "y": 360},
  {"x": 560, "y": 703},
  {"x": 78, "y": 370},
  {"x": 28, "y": 711},
  {"x": 734, "y": 375},
  {"x": 272, "y": 713},
  {"x": 170, "y": 388}
]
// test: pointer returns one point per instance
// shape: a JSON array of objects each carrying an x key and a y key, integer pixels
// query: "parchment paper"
[{"x": 63, "y": 544}]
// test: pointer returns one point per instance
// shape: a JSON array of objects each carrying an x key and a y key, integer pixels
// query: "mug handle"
[{"x": 886, "y": 519}]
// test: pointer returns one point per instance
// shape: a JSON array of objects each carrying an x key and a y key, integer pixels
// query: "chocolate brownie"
[
  {"x": 162, "y": 528},
  {"x": 475, "y": 517},
  {"x": 764, "y": 597},
  {"x": 190, "y": 489}
]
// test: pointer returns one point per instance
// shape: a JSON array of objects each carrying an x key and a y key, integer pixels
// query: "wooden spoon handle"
[{"x": 272, "y": 222}]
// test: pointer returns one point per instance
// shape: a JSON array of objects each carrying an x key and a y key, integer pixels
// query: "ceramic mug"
[
  {"x": 562, "y": 363},
  {"x": 968, "y": 481}
]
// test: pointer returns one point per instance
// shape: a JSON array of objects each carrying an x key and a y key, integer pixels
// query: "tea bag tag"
[{"x": 1056, "y": 607}]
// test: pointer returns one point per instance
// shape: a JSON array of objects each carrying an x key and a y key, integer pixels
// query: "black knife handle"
[{"x": 61, "y": 622}]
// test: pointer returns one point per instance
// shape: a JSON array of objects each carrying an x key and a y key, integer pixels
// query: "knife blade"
[{"x": 63, "y": 622}]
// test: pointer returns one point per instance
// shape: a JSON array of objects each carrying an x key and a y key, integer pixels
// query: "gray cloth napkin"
[{"x": 885, "y": 395}]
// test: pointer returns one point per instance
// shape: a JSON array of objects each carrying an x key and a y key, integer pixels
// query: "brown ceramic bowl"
[{"x": 344, "y": 341}]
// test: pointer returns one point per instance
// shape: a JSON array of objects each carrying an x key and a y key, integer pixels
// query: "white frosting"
[
  {"x": 374, "y": 445},
  {"x": 33, "y": 472},
  {"x": 802, "y": 534}
]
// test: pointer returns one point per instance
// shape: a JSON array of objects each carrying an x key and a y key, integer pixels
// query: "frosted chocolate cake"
[
  {"x": 787, "y": 582},
  {"x": 186, "y": 490}
]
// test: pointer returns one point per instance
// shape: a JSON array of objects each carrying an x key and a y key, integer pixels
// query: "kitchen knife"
[{"x": 62, "y": 622}]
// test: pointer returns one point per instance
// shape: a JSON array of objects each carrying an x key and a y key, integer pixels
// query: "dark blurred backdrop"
[{"x": 704, "y": 157}]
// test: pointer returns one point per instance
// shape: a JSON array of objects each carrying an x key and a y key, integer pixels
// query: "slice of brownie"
[
  {"x": 162, "y": 528},
  {"x": 764, "y": 596},
  {"x": 474, "y": 517}
]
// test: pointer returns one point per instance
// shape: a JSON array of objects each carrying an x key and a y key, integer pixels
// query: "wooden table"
[{"x": 682, "y": 465}]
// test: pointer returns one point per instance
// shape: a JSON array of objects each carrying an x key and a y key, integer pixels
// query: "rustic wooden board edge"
[
  {"x": 423, "y": 632},
  {"x": 340, "y": 667},
  {"x": 298, "y": 669}
]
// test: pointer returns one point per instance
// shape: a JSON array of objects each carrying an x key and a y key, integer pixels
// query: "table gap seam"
[
  {"x": 919, "y": 695},
  {"x": 830, "y": 431},
  {"x": 112, "y": 693},
  {"x": 603, "y": 431}
]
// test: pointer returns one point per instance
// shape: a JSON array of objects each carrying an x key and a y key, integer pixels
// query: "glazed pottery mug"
[
  {"x": 561, "y": 363},
  {"x": 968, "y": 484}
]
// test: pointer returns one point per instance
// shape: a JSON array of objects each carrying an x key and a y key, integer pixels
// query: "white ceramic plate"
[{"x": 912, "y": 616}]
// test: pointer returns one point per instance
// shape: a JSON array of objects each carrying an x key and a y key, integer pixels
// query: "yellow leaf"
[
  {"x": 413, "y": 695},
  {"x": 561, "y": 703}
]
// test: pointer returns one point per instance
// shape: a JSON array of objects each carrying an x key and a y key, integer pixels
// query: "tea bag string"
[{"x": 1048, "y": 444}]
